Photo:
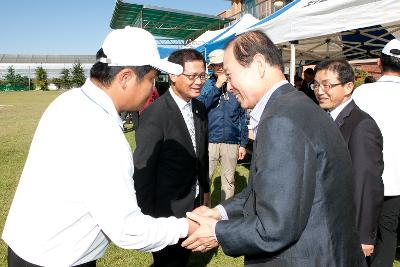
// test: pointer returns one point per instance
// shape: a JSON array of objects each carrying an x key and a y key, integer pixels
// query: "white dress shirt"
[
  {"x": 336, "y": 111},
  {"x": 182, "y": 104},
  {"x": 255, "y": 114},
  {"x": 76, "y": 191},
  {"x": 381, "y": 100}
]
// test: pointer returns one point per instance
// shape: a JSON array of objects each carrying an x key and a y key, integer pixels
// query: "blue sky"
[{"x": 72, "y": 27}]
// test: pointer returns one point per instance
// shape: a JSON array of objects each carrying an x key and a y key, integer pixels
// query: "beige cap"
[{"x": 216, "y": 57}]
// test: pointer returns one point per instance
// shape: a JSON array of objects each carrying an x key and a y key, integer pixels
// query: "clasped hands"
[{"x": 202, "y": 223}]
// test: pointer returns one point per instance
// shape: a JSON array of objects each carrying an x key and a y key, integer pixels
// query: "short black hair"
[
  {"x": 339, "y": 66},
  {"x": 246, "y": 45},
  {"x": 105, "y": 74},
  {"x": 182, "y": 56},
  {"x": 309, "y": 71},
  {"x": 390, "y": 63}
]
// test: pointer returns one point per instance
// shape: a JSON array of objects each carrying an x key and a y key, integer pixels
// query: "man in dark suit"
[
  {"x": 297, "y": 208},
  {"x": 306, "y": 84},
  {"x": 333, "y": 87},
  {"x": 171, "y": 156}
]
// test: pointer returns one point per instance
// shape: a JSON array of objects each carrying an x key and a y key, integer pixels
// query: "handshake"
[{"x": 201, "y": 236}]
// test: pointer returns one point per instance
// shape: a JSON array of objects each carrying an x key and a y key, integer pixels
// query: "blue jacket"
[{"x": 226, "y": 119}]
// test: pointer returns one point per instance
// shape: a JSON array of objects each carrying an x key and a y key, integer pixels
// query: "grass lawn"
[{"x": 19, "y": 115}]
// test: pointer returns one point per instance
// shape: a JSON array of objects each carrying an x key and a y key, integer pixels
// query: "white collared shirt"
[
  {"x": 76, "y": 190},
  {"x": 181, "y": 105},
  {"x": 336, "y": 111},
  {"x": 255, "y": 114},
  {"x": 381, "y": 100}
]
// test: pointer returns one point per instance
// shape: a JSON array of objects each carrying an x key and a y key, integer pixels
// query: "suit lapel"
[
  {"x": 180, "y": 121},
  {"x": 344, "y": 113},
  {"x": 284, "y": 89}
]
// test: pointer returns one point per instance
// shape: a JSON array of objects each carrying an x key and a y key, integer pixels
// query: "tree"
[
  {"x": 78, "y": 75},
  {"x": 41, "y": 79},
  {"x": 10, "y": 76},
  {"x": 65, "y": 79},
  {"x": 15, "y": 80}
]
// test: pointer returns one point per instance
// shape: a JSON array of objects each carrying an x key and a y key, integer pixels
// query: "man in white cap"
[
  {"x": 76, "y": 191},
  {"x": 379, "y": 99},
  {"x": 227, "y": 126}
]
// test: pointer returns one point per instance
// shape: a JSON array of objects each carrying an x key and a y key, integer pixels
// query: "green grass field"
[{"x": 19, "y": 115}]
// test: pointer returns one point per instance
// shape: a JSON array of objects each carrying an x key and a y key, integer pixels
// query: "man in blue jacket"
[{"x": 227, "y": 127}]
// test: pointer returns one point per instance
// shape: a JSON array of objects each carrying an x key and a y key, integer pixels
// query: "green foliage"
[
  {"x": 78, "y": 75},
  {"x": 65, "y": 79},
  {"x": 10, "y": 76},
  {"x": 360, "y": 76},
  {"x": 13, "y": 81},
  {"x": 41, "y": 81}
]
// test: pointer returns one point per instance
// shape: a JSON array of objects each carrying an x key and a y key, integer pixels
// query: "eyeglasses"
[
  {"x": 325, "y": 86},
  {"x": 194, "y": 77}
]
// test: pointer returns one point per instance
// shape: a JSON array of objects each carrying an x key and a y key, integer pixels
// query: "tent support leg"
[{"x": 292, "y": 62}]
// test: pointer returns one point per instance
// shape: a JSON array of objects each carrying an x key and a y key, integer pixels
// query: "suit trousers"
[
  {"x": 15, "y": 261},
  {"x": 172, "y": 256},
  {"x": 386, "y": 243},
  {"x": 227, "y": 155}
]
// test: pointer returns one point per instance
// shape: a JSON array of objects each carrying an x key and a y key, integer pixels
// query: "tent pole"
[
  {"x": 292, "y": 62},
  {"x": 205, "y": 58}
]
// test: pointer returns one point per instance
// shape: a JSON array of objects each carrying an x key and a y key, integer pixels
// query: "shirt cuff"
[
  {"x": 184, "y": 226},
  {"x": 222, "y": 212}
]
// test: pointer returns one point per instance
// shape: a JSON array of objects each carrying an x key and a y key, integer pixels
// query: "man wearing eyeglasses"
[
  {"x": 171, "y": 156},
  {"x": 227, "y": 127},
  {"x": 333, "y": 87}
]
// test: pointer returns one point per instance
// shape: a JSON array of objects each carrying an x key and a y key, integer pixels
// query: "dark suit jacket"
[
  {"x": 297, "y": 208},
  {"x": 365, "y": 143},
  {"x": 306, "y": 88},
  {"x": 166, "y": 165}
]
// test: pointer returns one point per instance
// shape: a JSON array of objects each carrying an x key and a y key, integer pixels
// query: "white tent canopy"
[
  {"x": 214, "y": 36},
  {"x": 320, "y": 29}
]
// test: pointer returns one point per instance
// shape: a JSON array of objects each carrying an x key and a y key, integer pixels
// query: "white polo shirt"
[
  {"x": 381, "y": 100},
  {"x": 76, "y": 191}
]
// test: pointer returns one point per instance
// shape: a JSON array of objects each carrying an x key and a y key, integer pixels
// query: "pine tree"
[
  {"x": 65, "y": 79},
  {"x": 41, "y": 79},
  {"x": 78, "y": 75}
]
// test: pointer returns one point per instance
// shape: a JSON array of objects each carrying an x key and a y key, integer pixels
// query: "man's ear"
[
  {"x": 173, "y": 78},
  {"x": 379, "y": 63},
  {"x": 125, "y": 76},
  {"x": 260, "y": 64},
  {"x": 349, "y": 87}
]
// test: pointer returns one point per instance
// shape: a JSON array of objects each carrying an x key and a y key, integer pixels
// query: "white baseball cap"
[
  {"x": 216, "y": 57},
  {"x": 133, "y": 46},
  {"x": 392, "y": 48}
]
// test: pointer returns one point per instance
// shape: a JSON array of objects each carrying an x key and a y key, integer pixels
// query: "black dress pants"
[
  {"x": 172, "y": 256},
  {"x": 15, "y": 261},
  {"x": 386, "y": 243}
]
